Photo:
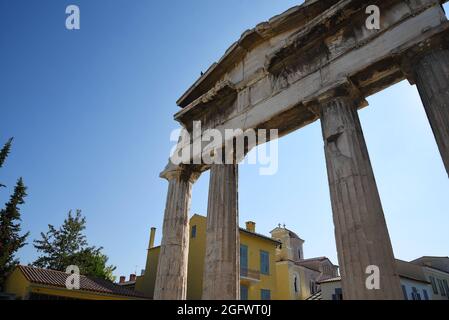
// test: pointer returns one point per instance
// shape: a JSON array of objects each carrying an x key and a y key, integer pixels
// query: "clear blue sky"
[{"x": 91, "y": 113}]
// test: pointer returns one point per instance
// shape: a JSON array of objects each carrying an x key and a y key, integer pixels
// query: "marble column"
[
  {"x": 360, "y": 229},
  {"x": 432, "y": 79},
  {"x": 171, "y": 278},
  {"x": 221, "y": 279}
]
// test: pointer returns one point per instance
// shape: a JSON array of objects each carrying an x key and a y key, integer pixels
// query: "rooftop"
[
  {"x": 260, "y": 236},
  {"x": 58, "y": 279},
  {"x": 336, "y": 279},
  {"x": 247, "y": 231}
]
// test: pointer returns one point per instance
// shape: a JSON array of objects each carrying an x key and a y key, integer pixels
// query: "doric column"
[
  {"x": 360, "y": 228},
  {"x": 432, "y": 79},
  {"x": 171, "y": 278},
  {"x": 221, "y": 279}
]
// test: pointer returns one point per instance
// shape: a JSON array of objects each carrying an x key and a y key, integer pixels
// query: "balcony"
[{"x": 249, "y": 275}]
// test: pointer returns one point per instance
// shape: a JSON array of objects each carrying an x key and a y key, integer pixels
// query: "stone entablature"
[{"x": 282, "y": 69}]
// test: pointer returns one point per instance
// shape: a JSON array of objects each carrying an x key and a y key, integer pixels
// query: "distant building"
[
  {"x": 130, "y": 284},
  {"x": 298, "y": 278},
  {"x": 425, "y": 278},
  {"x": 436, "y": 271},
  {"x": 257, "y": 252},
  {"x": 270, "y": 267},
  {"x": 28, "y": 283}
]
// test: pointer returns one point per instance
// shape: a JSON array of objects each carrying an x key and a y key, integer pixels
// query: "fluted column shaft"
[
  {"x": 221, "y": 279},
  {"x": 360, "y": 229},
  {"x": 171, "y": 278},
  {"x": 432, "y": 80}
]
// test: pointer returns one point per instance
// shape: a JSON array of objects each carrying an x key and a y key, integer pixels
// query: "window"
[
  {"x": 338, "y": 295},
  {"x": 295, "y": 284},
  {"x": 313, "y": 287},
  {"x": 404, "y": 292},
  {"x": 415, "y": 294},
  {"x": 265, "y": 294},
  {"x": 264, "y": 262},
  {"x": 446, "y": 287},
  {"x": 434, "y": 285},
  {"x": 243, "y": 292},
  {"x": 441, "y": 285},
  {"x": 299, "y": 254},
  {"x": 243, "y": 257},
  {"x": 193, "y": 232},
  {"x": 426, "y": 295}
]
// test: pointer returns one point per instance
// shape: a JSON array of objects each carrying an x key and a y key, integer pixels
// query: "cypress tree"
[
  {"x": 4, "y": 154},
  {"x": 10, "y": 239}
]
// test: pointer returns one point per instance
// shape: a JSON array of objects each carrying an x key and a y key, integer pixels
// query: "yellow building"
[
  {"x": 28, "y": 283},
  {"x": 270, "y": 267},
  {"x": 298, "y": 278},
  {"x": 257, "y": 260}
]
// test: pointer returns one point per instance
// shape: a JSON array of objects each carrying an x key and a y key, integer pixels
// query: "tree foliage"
[
  {"x": 10, "y": 218},
  {"x": 67, "y": 245},
  {"x": 4, "y": 152}
]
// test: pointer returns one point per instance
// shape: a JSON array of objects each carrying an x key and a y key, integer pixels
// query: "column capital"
[
  {"x": 408, "y": 60},
  {"x": 343, "y": 90},
  {"x": 432, "y": 81},
  {"x": 184, "y": 172}
]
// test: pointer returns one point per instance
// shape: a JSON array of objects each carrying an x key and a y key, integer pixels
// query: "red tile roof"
[{"x": 58, "y": 279}]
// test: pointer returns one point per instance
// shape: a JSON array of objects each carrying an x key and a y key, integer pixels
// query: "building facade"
[
  {"x": 29, "y": 283},
  {"x": 270, "y": 267},
  {"x": 298, "y": 278},
  {"x": 425, "y": 278},
  {"x": 257, "y": 263},
  {"x": 436, "y": 271}
]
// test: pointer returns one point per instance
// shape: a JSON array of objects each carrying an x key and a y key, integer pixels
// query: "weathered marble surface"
[
  {"x": 221, "y": 280},
  {"x": 432, "y": 80},
  {"x": 360, "y": 229},
  {"x": 171, "y": 278}
]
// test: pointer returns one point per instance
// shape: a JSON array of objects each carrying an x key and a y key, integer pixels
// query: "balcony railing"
[{"x": 250, "y": 274}]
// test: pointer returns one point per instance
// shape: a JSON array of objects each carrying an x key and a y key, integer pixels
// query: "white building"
[
  {"x": 425, "y": 278},
  {"x": 436, "y": 271}
]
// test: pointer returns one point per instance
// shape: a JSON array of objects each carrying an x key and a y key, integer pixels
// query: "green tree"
[
  {"x": 10, "y": 239},
  {"x": 4, "y": 154},
  {"x": 68, "y": 245},
  {"x": 93, "y": 262}
]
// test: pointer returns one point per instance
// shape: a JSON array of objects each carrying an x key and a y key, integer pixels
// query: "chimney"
[
  {"x": 251, "y": 226},
  {"x": 122, "y": 279},
  {"x": 132, "y": 277},
  {"x": 152, "y": 235}
]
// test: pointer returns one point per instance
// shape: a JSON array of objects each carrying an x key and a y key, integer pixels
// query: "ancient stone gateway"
[{"x": 315, "y": 61}]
